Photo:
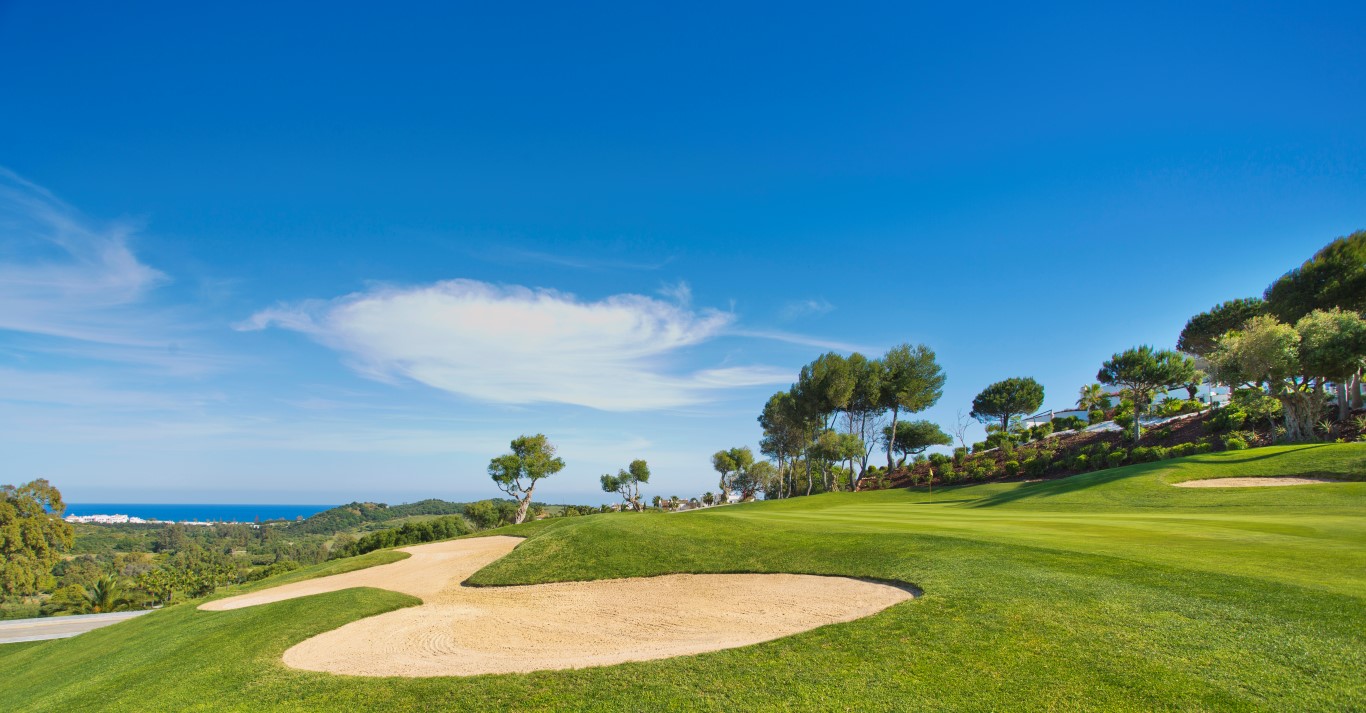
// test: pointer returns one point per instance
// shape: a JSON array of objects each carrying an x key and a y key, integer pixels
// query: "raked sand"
[{"x": 463, "y": 631}]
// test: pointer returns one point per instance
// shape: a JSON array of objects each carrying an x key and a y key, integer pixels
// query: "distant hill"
[{"x": 353, "y": 515}]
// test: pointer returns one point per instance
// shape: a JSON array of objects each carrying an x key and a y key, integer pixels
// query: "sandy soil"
[
  {"x": 463, "y": 631},
  {"x": 1251, "y": 482}
]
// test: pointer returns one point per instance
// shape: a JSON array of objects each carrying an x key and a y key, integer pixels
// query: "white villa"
[{"x": 1207, "y": 394}]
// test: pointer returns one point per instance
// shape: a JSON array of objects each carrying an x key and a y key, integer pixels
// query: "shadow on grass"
[{"x": 1069, "y": 484}]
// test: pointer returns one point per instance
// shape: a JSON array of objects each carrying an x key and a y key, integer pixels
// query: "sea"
[{"x": 197, "y": 512}]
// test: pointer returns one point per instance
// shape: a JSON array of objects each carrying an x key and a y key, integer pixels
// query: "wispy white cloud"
[
  {"x": 515, "y": 345},
  {"x": 806, "y": 308},
  {"x": 679, "y": 292},
  {"x": 63, "y": 275},
  {"x": 72, "y": 287},
  {"x": 802, "y": 340}
]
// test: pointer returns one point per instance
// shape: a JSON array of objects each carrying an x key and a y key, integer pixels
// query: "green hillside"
[{"x": 1106, "y": 591}]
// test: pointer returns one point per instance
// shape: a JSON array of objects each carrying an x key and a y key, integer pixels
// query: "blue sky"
[{"x": 253, "y": 253}]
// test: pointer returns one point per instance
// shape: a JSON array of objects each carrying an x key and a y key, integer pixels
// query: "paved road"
[{"x": 58, "y": 627}]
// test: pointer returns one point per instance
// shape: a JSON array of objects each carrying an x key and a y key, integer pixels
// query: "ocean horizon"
[{"x": 198, "y": 512}]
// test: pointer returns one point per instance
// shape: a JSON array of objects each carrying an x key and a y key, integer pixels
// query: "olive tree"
[
  {"x": 732, "y": 465},
  {"x": 1143, "y": 370},
  {"x": 1334, "y": 278},
  {"x": 1295, "y": 363},
  {"x": 516, "y": 473},
  {"x": 627, "y": 483}
]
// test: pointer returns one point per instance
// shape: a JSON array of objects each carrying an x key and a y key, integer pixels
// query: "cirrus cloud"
[
  {"x": 516, "y": 345},
  {"x": 63, "y": 275}
]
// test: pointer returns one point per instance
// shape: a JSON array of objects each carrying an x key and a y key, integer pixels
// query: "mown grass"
[{"x": 1108, "y": 591}]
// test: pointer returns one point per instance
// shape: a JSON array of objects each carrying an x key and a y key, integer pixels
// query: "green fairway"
[{"x": 1112, "y": 590}]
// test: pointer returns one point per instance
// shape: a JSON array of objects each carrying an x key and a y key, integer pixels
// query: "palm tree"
[
  {"x": 1093, "y": 398},
  {"x": 106, "y": 595}
]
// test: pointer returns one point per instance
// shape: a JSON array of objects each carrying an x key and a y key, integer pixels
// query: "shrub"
[
  {"x": 441, "y": 528},
  {"x": 1145, "y": 454},
  {"x": 274, "y": 568},
  {"x": 959, "y": 455},
  {"x": 1204, "y": 447},
  {"x": 1257, "y": 405},
  {"x": 1012, "y": 468},
  {"x": 1226, "y": 419},
  {"x": 979, "y": 446},
  {"x": 1182, "y": 450},
  {"x": 939, "y": 459},
  {"x": 1234, "y": 443},
  {"x": 1080, "y": 462},
  {"x": 1037, "y": 466},
  {"x": 1002, "y": 439},
  {"x": 1068, "y": 423},
  {"x": 1162, "y": 434},
  {"x": 947, "y": 472},
  {"x": 1116, "y": 458},
  {"x": 1040, "y": 431},
  {"x": 1094, "y": 417},
  {"x": 1175, "y": 407}
]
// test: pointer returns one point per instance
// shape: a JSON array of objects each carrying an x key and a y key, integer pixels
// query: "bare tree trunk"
[
  {"x": 1300, "y": 410},
  {"x": 891, "y": 442},
  {"x": 1355, "y": 390},
  {"x": 806, "y": 451},
  {"x": 523, "y": 506},
  {"x": 1343, "y": 407}
]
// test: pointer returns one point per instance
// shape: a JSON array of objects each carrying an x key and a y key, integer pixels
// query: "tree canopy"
[
  {"x": 32, "y": 535},
  {"x": 627, "y": 483},
  {"x": 1202, "y": 332},
  {"x": 1334, "y": 277},
  {"x": 1007, "y": 399},
  {"x": 532, "y": 459},
  {"x": 1142, "y": 370},
  {"x": 1092, "y": 397},
  {"x": 733, "y": 465},
  {"x": 1294, "y": 362},
  {"x": 912, "y": 381},
  {"x": 915, "y": 437}
]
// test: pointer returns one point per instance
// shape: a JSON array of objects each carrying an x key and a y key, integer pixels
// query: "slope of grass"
[{"x": 1108, "y": 591}]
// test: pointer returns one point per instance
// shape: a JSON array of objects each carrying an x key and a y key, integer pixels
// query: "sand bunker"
[
  {"x": 463, "y": 631},
  {"x": 428, "y": 571},
  {"x": 1251, "y": 482}
]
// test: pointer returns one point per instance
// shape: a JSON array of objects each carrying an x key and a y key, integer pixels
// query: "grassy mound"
[{"x": 1107, "y": 591}]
